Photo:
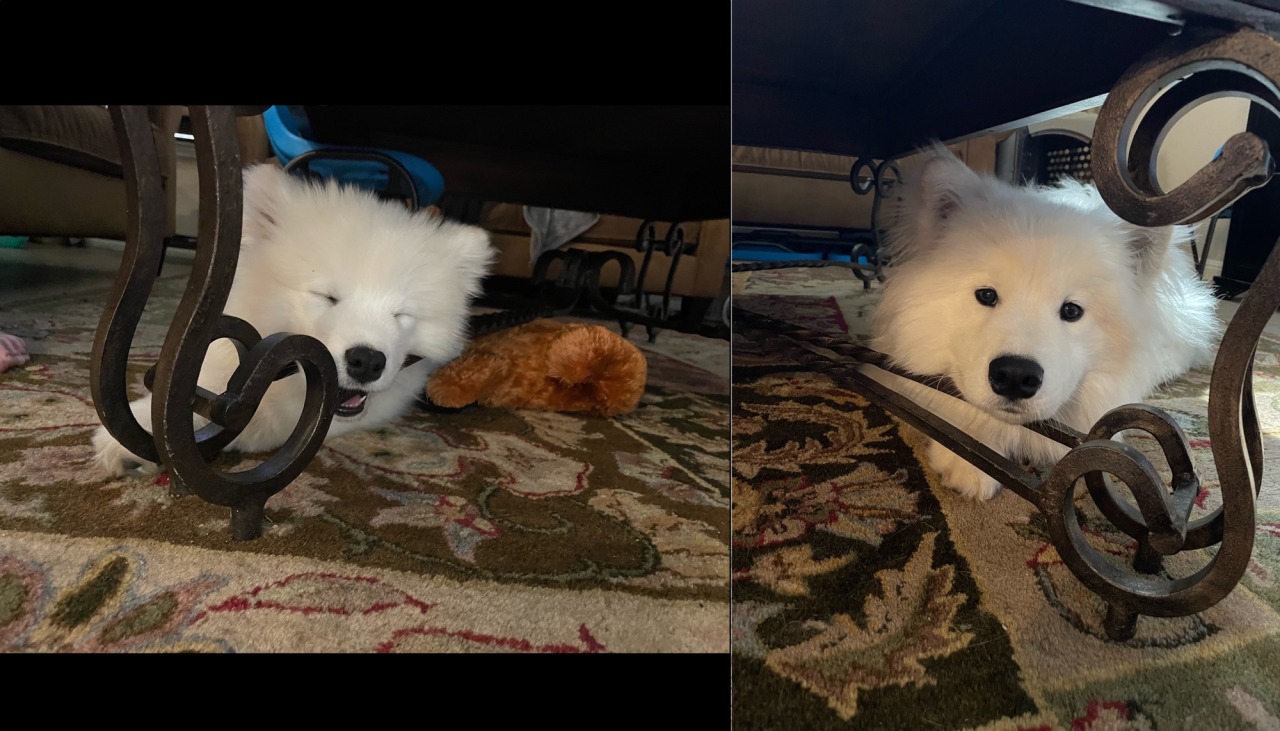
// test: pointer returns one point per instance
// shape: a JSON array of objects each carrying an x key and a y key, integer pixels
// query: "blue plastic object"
[
  {"x": 759, "y": 251},
  {"x": 289, "y": 137},
  {"x": 769, "y": 252},
  {"x": 849, "y": 257}
]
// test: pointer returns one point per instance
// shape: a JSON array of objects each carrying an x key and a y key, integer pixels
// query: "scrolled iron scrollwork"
[
  {"x": 1159, "y": 518},
  {"x": 1197, "y": 66},
  {"x": 175, "y": 441},
  {"x": 867, "y": 175}
]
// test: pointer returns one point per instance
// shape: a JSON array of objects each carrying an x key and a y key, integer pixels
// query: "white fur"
[
  {"x": 1147, "y": 317},
  {"x": 404, "y": 283}
]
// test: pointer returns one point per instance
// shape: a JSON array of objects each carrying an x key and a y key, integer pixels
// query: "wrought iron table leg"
[
  {"x": 247, "y": 517},
  {"x": 865, "y": 176},
  {"x": 176, "y": 443},
  {"x": 578, "y": 281},
  {"x": 1146, "y": 559},
  {"x": 1120, "y": 622},
  {"x": 1207, "y": 64},
  {"x": 880, "y": 179}
]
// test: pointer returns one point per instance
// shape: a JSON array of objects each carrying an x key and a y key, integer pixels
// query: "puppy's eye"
[
  {"x": 1071, "y": 311},
  {"x": 987, "y": 297},
  {"x": 403, "y": 317},
  {"x": 328, "y": 297}
]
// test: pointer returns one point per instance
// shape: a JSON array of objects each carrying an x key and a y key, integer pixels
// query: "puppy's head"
[
  {"x": 1019, "y": 295},
  {"x": 373, "y": 281}
]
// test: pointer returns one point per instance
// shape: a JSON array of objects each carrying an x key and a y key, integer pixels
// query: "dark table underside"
[
  {"x": 668, "y": 163},
  {"x": 881, "y": 78}
]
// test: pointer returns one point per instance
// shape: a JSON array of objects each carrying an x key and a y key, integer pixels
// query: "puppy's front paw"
[
  {"x": 113, "y": 459},
  {"x": 956, "y": 473}
]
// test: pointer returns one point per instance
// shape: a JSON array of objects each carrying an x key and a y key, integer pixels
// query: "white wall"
[
  {"x": 1194, "y": 140},
  {"x": 1189, "y": 146}
]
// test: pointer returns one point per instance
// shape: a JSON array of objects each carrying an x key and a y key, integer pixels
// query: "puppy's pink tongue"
[{"x": 354, "y": 402}]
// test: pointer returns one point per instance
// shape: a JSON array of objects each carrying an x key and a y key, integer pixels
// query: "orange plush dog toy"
[{"x": 545, "y": 365}]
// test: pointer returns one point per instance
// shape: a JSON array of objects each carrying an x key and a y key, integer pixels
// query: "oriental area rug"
[{"x": 868, "y": 596}]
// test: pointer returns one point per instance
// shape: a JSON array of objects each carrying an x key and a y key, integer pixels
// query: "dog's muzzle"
[{"x": 351, "y": 401}]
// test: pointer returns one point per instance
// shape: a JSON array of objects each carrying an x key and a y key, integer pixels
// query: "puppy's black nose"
[
  {"x": 365, "y": 364},
  {"x": 1015, "y": 377}
]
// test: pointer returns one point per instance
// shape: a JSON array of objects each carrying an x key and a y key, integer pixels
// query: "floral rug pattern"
[
  {"x": 481, "y": 530},
  {"x": 868, "y": 596}
]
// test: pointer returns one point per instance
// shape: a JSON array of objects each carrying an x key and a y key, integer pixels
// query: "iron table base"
[
  {"x": 176, "y": 443},
  {"x": 566, "y": 279}
]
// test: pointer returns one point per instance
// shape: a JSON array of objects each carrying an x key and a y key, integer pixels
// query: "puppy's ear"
[
  {"x": 1149, "y": 246},
  {"x": 943, "y": 183},
  {"x": 266, "y": 188},
  {"x": 471, "y": 252},
  {"x": 936, "y": 188}
]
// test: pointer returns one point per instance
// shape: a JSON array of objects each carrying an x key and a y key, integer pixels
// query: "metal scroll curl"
[
  {"x": 867, "y": 175},
  {"x": 879, "y": 178},
  {"x": 1160, "y": 519},
  {"x": 1126, "y": 594},
  {"x": 175, "y": 442},
  {"x": 1199, "y": 65}
]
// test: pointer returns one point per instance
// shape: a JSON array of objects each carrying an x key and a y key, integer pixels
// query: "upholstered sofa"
[
  {"x": 777, "y": 187},
  {"x": 61, "y": 173}
]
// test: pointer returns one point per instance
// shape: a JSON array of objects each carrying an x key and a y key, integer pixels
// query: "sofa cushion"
[{"x": 81, "y": 136}]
